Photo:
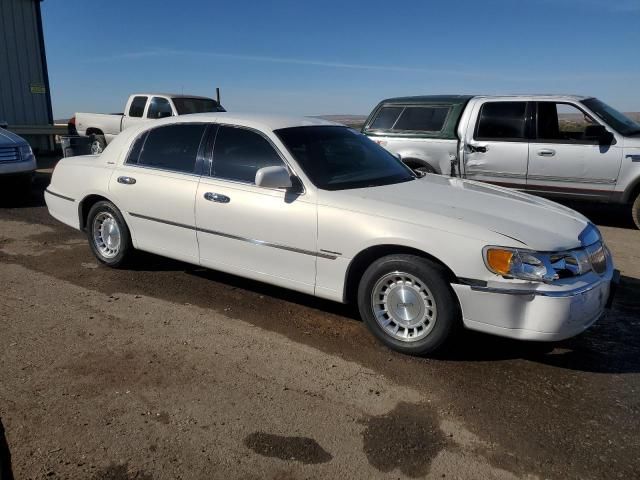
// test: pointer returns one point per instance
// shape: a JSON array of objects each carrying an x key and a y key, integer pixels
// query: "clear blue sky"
[{"x": 338, "y": 57}]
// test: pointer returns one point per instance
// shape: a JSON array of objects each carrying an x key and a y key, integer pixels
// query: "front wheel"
[
  {"x": 108, "y": 234},
  {"x": 408, "y": 304},
  {"x": 635, "y": 211}
]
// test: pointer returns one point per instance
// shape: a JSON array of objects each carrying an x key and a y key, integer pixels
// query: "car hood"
[
  {"x": 8, "y": 138},
  {"x": 470, "y": 208}
]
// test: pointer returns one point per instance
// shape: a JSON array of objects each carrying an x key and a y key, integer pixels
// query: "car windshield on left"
[
  {"x": 186, "y": 105},
  {"x": 338, "y": 158}
]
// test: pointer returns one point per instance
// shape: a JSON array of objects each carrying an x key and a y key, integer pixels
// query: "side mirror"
[
  {"x": 600, "y": 133},
  {"x": 273, "y": 177}
]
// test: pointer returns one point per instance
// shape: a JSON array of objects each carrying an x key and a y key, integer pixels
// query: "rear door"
[
  {"x": 564, "y": 160},
  {"x": 155, "y": 189},
  {"x": 496, "y": 146}
]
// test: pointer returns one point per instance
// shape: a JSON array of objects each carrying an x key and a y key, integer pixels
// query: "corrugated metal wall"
[{"x": 24, "y": 86}]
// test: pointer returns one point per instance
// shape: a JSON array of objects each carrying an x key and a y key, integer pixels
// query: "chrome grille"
[
  {"x": 9, "y": 154},
  {"x": 597, "y": 257}
]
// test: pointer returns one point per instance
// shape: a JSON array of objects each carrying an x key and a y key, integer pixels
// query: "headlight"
[
  {"x": 26, "y": 154},
  {"x": 543, "y": 266}
]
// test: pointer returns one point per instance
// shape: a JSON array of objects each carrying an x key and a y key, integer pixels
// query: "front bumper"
[
  {"x": 18, "y": 168},
  {"x": 548, "y": 314}
]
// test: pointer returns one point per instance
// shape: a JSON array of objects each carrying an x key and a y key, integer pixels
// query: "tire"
[
  {"x": 635, "y": 211},
  {"x": 429, "y": 314},
  {"x": 98, "y": 143},
  {"x": 108, "y": 235}
]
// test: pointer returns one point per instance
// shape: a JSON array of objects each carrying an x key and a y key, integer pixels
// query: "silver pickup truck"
[{"x": 562, "y": 146}]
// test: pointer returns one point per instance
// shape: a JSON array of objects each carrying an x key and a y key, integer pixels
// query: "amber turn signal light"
[{"x": 499, "y": 260}]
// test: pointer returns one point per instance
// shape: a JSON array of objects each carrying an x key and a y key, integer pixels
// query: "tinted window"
[
  {"x": 386, "y": 118},
  {"x": 239, "y": 153},
  {"x": 136, "y": 148},
  {"x": 185, "y": 105},
  {"x": 561, "y": 122},
  {"x": 159, "y": 108},
  {"x": 173, "y": 147},
  {"x": 423, "y": 119},
  {"x": 614, "y": 118},
  {"x": 337, "y": 158},
  {"x": 502, "y": 121},
  {"x": 137, "y": 106}
]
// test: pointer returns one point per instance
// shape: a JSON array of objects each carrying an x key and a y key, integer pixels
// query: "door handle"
[
  {"x": 127, "y": 180},
  {"x": 216, "y": 197},
  {"x": 478, "y": 148},
  {"x": 546, "y": 152}
]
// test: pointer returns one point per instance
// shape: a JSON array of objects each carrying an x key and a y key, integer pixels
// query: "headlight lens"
[
  {"x": 26, "y": 154},
  {"x": 543, "y": 266}
]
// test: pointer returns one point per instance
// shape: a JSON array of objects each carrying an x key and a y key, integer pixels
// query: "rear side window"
[
  {"x": 239, "y": 153},
  {"x": 422, "y": 119},
  {"x": 502, "y": 121},
  {"x": 411, "y": 119},
  {"x": 137, "y": 106},
  {"x": 172, "y": 147},
  {"x": 159, "y": 108}
]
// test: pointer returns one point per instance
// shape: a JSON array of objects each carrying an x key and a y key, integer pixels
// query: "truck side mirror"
[{"x": 600, "y": 133}]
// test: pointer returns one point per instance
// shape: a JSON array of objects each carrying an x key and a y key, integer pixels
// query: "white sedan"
[{"x": 316, "y": 207}]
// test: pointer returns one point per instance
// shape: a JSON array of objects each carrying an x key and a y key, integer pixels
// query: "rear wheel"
[
  {"x": 408, "y": 304},
  {"x": 108, "y": 234},
  {"x": 418, "y": 166},
  {"x": 98, "y": 143},
  {"x": 635, "y": 211}
]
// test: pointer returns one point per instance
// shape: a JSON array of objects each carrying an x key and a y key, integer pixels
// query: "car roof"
[
  {"x": 461, "y": 99},
  {"x": 171, "y": 95},
  {"x": 258, "y": 121}
]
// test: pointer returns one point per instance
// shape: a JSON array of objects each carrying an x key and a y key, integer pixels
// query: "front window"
[
  {"x": 338, "y": 158},
  {"x": 186, "y": 105},
  {"x": 616, "y": 120}
]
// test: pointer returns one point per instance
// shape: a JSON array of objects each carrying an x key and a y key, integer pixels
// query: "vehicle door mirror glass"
[{"x": 273, "y": 177}]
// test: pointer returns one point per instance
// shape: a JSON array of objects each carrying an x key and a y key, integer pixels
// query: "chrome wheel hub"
[
  {"x": 106, "y": 234},
  {"x": 403, "y": 306}
]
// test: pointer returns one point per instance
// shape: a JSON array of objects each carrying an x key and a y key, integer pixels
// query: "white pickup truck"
[
  {"x": 141, "y": 107},
  {"x": 561, "y": 146}
]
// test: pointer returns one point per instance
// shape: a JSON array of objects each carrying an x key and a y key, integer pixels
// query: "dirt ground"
[{"x": 169, "y": 371}]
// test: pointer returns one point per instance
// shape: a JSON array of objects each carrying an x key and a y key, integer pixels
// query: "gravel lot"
[{"x": 167, "y": 370}]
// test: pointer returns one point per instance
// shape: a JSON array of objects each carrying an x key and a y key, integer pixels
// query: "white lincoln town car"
[{"x": 316, "y": 207}]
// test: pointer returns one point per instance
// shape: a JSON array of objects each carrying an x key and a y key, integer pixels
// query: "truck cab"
[{"x": 559, "y": 146}]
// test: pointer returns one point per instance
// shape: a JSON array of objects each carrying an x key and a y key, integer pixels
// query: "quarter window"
[
  {"x": 137, "y": 106},
  {"x": 159, "y": 108},
  {"x": 502, "y": 121},
  {"x": 172, "y": 147},
  {"x": 239, "y": 153}
]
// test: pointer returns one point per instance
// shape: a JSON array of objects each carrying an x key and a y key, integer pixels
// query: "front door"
[
  {"x": 156, "y": 188},
  {"x": 564, "y": 160},
  {"x": 496, "y": 150},
  {"x": 261, "y": 233}
]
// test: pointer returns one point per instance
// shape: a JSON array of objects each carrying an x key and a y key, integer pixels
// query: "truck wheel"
[
  {"x": 408, "y": 304},
  {"x": 635, "y": 211},
  {"x": 108, "y": 234},
  {"x": 98, "y": 144}
]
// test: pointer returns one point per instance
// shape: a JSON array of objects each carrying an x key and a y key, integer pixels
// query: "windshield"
[
  {"x": 337, "y": 158},
  {"x": 616, "y": 120},
  {"x": 185, "y": 105}
]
